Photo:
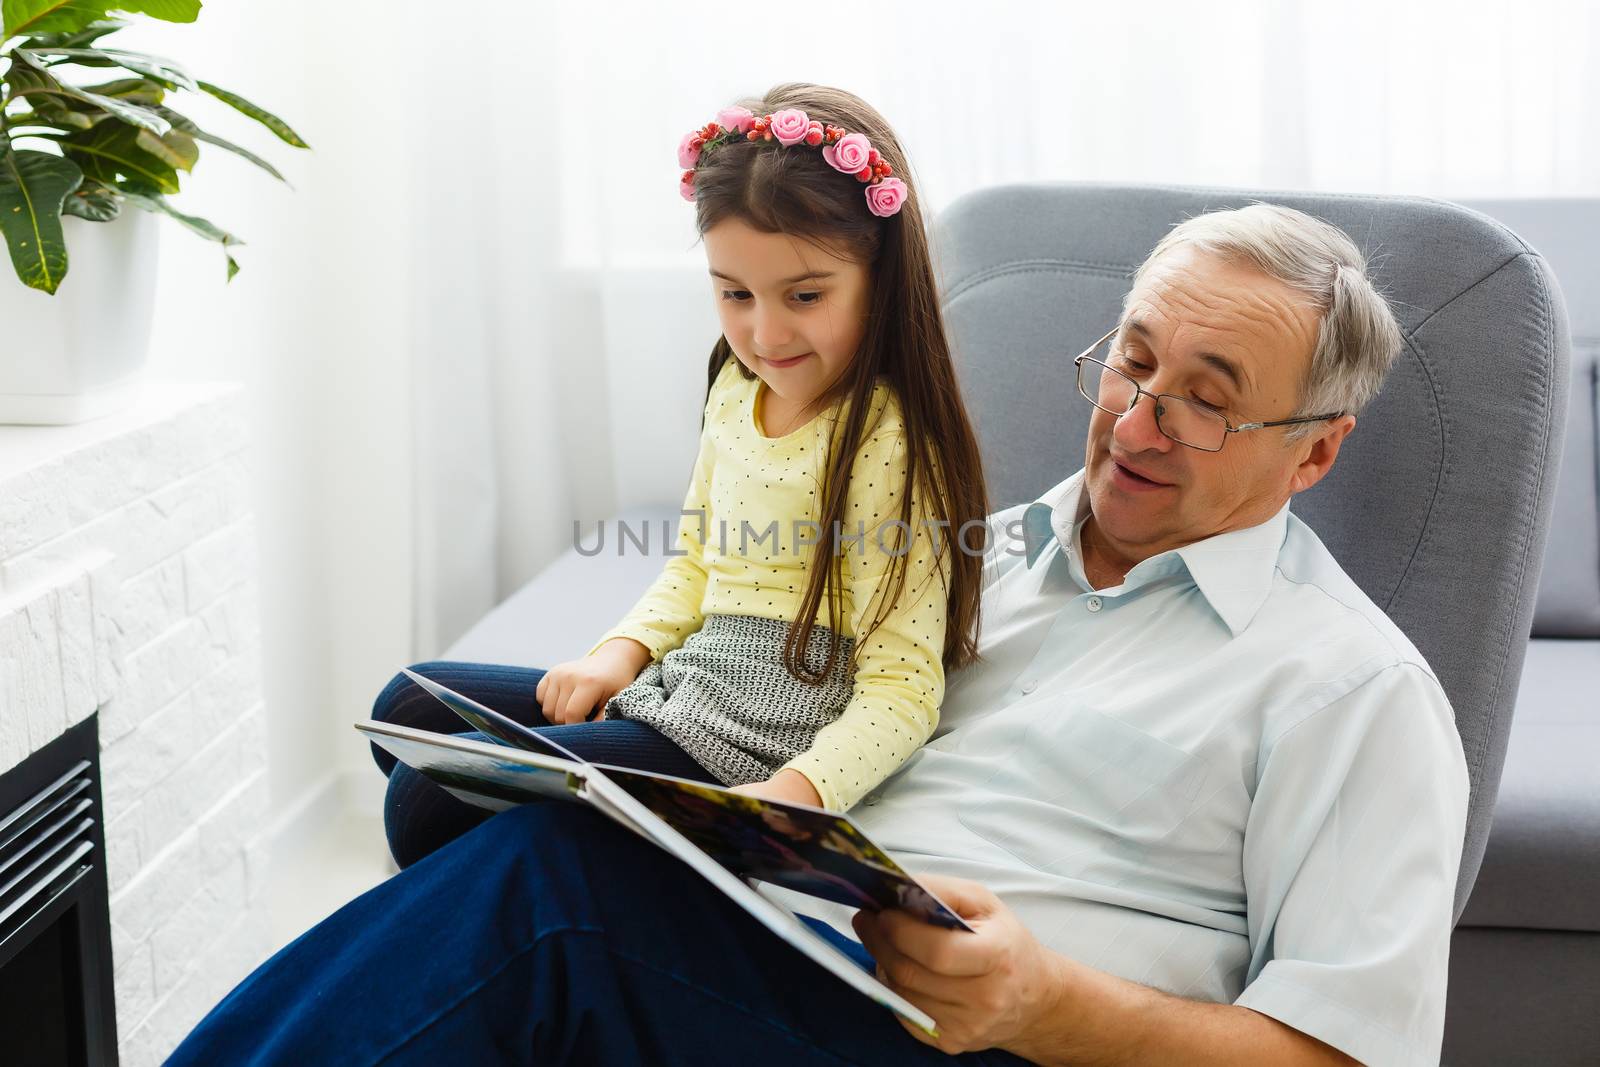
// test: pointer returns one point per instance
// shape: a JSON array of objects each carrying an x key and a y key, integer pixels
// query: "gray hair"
[{"x": 1358, "y": 337}]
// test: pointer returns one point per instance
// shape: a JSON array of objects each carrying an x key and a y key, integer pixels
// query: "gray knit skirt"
[{"x": 725, "y": 697}]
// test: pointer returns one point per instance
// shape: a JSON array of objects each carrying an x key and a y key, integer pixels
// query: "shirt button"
[
  {"x": 1030, "y": 685},
  {"x": 1093, "y": 603}
]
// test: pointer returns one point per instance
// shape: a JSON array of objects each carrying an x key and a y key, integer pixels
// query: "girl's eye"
[
  {"x": 735, "y": 294},
  {"x": 808, "y": 298}
]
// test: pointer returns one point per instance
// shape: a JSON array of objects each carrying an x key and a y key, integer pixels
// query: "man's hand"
[
  {"x": 789, "y": 786},
  {"x": 983, "y": 989},
  {"x": 999, "y": 987}
]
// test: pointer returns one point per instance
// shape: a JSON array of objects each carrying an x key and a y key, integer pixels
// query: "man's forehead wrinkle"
[
  {"x": 1223, "y": 338},
  {"x": 1249, "y": 320}
]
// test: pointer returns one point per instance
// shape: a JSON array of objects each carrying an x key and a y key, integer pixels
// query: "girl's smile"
[{"x": 790, "y": 362}]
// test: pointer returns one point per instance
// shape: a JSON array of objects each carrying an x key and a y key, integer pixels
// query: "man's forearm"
[{"x": 1090, "y": 1018}]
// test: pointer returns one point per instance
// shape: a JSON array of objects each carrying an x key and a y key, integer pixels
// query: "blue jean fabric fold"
[{"x": 549, "y": 935}]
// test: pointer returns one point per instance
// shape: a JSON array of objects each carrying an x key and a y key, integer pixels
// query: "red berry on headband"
[
  {"x": 887, "y": 170},
  {"x": 873, "y": 157},
  {"x": 813, "y": 137},
  {"x": 864, "y": 174},
  {"x": 753, "y": 135}
]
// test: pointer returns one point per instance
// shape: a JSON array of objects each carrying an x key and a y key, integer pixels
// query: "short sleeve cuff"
[
  {"x": 823, "y": 777},
  {"x": 1332, "y": 1023},
  {"x": 654, "y": 642}
]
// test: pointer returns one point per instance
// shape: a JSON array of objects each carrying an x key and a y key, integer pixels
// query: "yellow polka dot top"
[{"x": 754, "y": 558}]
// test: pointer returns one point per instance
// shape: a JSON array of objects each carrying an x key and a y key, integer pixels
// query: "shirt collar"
[
  {"x": 1233, "y": 570},
  {"x": 1053, "y": 516}
]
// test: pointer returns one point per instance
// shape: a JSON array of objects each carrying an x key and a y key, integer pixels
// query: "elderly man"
[{"x": 1201, "y": 801}]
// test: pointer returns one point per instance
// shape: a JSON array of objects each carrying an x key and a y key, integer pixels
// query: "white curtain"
[
  {"x": 1440, "y": 99},
  {"x": 482, "y": 315}
]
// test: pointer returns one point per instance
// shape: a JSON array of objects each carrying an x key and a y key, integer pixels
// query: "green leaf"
[
  {"x": 32, "y": 187},
  {"x": 47, "y": 112},
  {"x": 165, "y": 10},
  {"x": 266, "y": 118},
  {"x": 186, "y": 125},
  {"x": 82, "y": 39},
  {"x": 45, "y": 16},
  {"x": 210, "y": 231},
  {"x": 174, "y": 148},
  {"x": 140, "y": 91},
  {"x": 32, "y": 78},
  {"x": 111, "y": 149},
  {"x": 162, "y": 71},
  {"x": 92, "y": 201},
  {"x": 73, "y": 16}
]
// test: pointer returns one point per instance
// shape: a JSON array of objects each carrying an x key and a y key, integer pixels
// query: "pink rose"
[
  {"x": 789, "y": 126},
  {"x": 688, "y": 151},
  {"x": 686, "y": 185},
  {"x": 849, "y": 153},
  {"x": 736, "y": 118},
  {"x": 885, "y": 198}
]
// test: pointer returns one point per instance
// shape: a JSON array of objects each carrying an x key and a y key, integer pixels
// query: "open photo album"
[{"x": 734, "y": 842}]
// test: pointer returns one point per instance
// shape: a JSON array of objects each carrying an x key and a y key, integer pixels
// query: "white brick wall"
[{"x": 128, "y": 586}]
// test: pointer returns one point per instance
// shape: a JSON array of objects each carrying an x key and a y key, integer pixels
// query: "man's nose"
[{"x": 1136, "y": 431}]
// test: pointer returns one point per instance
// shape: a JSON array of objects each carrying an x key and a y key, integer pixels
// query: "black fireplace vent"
[
  {"x": 44, "y": 845},
  {"x": 56, "y": 1001}
]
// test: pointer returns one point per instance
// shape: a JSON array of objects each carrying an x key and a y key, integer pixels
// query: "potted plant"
[{"x": 74, "y": 158}]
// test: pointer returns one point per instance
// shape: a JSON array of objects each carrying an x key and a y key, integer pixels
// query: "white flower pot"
[{"x": 79, "y": 354}]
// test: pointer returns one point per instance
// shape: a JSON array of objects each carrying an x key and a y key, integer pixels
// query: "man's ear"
[{"x": 1319, "y": 457}]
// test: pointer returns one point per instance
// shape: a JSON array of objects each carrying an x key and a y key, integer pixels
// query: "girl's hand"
[
  {"x": 569, "y": 691},
  {"x": 790, "y": 787}
]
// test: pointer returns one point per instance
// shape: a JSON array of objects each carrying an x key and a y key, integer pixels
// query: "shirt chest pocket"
[{"x": 1085, "y": 784}]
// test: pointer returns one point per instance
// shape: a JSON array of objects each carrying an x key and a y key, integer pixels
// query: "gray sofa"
[
  {"x": 1464, "y": 439},
  {"x": 1525, "y": 959}
]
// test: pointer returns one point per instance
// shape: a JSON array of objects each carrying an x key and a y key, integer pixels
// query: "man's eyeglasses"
[{"x": 1187, "y": 422}]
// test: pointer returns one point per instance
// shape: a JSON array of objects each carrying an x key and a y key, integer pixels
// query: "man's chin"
[{"x": 1127, "y": 517}]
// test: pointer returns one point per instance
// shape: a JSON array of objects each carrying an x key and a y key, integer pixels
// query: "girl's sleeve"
[
  {"x": 899, "y": 681},
  {"x": 671, "y": 609}
]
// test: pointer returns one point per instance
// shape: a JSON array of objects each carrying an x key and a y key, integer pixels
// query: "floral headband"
[{"x": 848, "y": 153}]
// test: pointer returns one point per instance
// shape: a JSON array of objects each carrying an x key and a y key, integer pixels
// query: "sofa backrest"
[
  {"x": 1440, "y": 502},
  {"x": 1567, "y": 233}
]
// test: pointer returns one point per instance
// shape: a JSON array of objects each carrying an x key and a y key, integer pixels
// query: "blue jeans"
[
  {"x": 549, "y": 935},
  {"x": 419, "y": 816}
]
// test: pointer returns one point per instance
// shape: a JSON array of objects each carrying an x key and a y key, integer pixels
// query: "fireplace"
[{"x": 56, "y": 1007}]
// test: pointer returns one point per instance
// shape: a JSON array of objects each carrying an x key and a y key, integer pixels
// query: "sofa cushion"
[{"x": 1541, "y": 869}]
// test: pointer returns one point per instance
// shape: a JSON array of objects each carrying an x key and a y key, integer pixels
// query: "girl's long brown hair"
[{"x": 793, "y": 191}]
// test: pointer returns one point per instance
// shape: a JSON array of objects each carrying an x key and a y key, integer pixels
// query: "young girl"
[{"x": 795, "y": 645}]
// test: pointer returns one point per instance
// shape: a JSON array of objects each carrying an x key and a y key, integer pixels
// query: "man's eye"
[
  {"x": 735, "y": 294},
  {"x": 1129, "y": 366},
  {"x": 1208, "y": 404}
]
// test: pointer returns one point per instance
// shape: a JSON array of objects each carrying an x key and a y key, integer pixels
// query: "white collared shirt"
[{"x": 1230, "y": 777}]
